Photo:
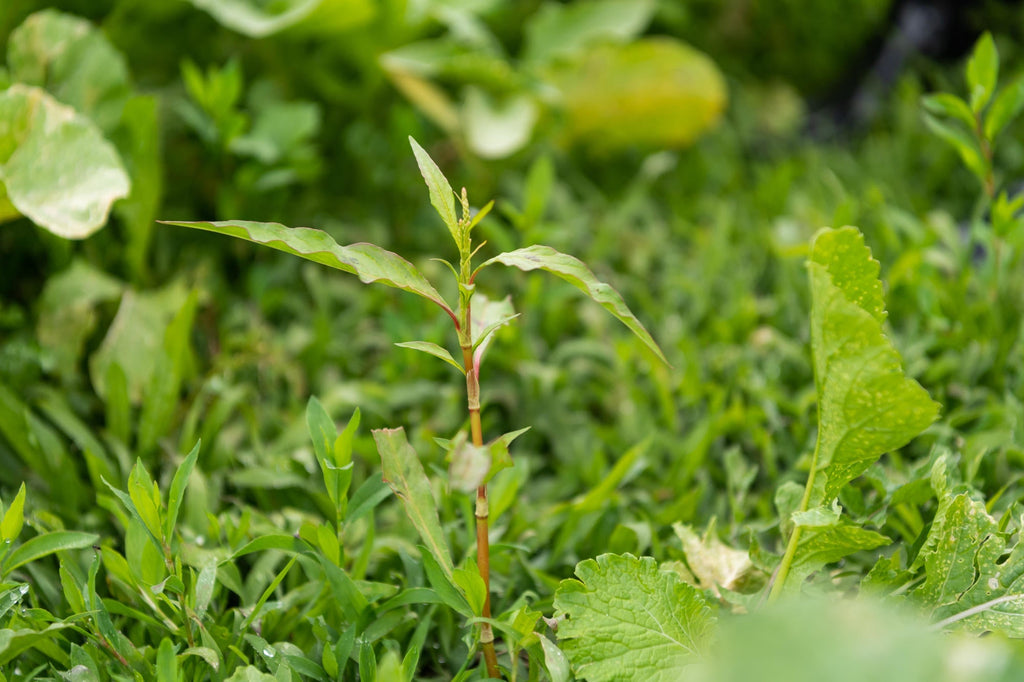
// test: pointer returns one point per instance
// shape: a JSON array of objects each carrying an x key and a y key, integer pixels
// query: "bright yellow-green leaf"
[{"x": 655, "y": 92}]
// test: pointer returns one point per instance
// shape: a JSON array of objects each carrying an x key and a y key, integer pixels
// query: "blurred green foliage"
[{"x": 118, "y": 353}]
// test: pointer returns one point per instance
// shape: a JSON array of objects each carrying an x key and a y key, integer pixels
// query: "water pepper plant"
[{"x": 475, "y": 319}]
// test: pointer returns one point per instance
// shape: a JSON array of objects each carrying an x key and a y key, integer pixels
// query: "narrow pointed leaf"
[
  {"x": 177, "y": 493},
  {"x": 13, "y": 518},
  {"x": 982, "y": 72},
  {"x": 624, "y": 614},
  {"x": 48, "y": 543},
  {"x": 575, "y": 272},
  {"x": 441, "y": 196},
  {"x": 866, "y": 405},
  {"x": 404, "y": 473},
  {"x": 432, "y": 349},
  {"x": 368, "y": 262},
  {"x": 1007, "y": 107}
]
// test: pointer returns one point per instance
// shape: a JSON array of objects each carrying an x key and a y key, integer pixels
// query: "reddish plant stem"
[{"x": 482, "y": 512}]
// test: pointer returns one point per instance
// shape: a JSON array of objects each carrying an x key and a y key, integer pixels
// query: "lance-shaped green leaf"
[
  {"x": 45, "y": 544},
  {"x": 575, "y": 272},
  {"x": 432, "y": 349},
  {"x": 441, "y": 196},
  {"x": 866, "y": 406},
  {"x": 14, "y": 518},
  {"x": 404, "y": 473},
  {"x": 982, "y": 72},
  {"x": 367, "y": 261},
  {"x": 629, "y": 620}
]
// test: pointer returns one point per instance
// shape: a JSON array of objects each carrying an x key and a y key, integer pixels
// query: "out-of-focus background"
[{"x": 687, "y": 151}]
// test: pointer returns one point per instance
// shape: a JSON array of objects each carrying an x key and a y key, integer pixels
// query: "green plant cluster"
[{"x": 795, "y": 453}]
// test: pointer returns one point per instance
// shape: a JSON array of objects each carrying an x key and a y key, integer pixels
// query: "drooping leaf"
[
  {"x": 964, "y": 144},
  {"x": 368, "y": 262},
  {"x": 575, "y": 272},
  {"x": 45, "y": 544},
  {"x": 441, "y": 196},
  {"x": 404, "y": 473},
  {"x": 432, "y": 349},
  {"x": 950, "y": 105},
  {"x": 866, "y": 405},
  {"x": 55, "y": 166},
  {"x": 627, "y": 617}
]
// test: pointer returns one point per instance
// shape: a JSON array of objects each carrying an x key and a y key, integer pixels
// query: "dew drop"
[{"x": 269, "y": 652}]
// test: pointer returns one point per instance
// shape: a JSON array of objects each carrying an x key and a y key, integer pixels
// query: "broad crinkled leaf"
[
  {"x": 404, "y": 473},
  {"x": 866, "y": 406},
  {"x": 73, "y": 61},
  {"x": 970, "y": 583},
  {"x": 628, "y": 620},
  {"x": 368, "y": 262},
  {"x": 55, "y": 166},
  {"x": 574, "y": 271}
]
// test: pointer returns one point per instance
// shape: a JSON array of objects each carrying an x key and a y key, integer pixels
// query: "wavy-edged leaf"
[
  {"x": 823, "y": 545},
  {"x": 432, "y": 349},
  {"x": 369, "y": 262},
  {"x": 404, "y": 473},
  {"x": 55, "y": 166},
  {"x": 629, "y": 620},
  {"x": 574, "y": 271},
  {"x": 441, "y": 196},
  {"x": 866, "y": 406}
]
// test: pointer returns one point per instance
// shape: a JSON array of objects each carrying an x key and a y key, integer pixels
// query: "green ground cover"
[{"x": 796, "y": 454}]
